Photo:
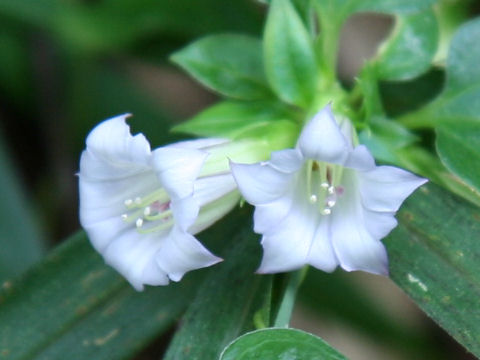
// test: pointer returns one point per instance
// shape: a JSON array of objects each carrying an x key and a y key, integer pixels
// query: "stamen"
[
  {"x": 331, "y": 203},
  {"x": 139, "y": 222},
  {"x": 313, "y": 199},
  {"x": 128, "y": 202},
  {"x": 326, "y": 211},
  {"x": 162, "y": 226},
  {"x": 124, "y": 217},
  {"x": 138, "y": 200},
  {"x": 159, "y": 216},
  {"x": 331, "y": 190},
  {"x": 147, "y": 211}
]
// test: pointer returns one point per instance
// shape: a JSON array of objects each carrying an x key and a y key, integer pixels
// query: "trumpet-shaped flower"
[
  {"x": 141, "y": 208},
  {"x": 324, "y": 203}
]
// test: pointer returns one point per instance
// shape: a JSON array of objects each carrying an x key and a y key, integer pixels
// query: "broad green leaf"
[
  {"x": 383, "y": 137},
  {"x": 339, "y": 10},
  {"x": 414, "y": 37},
  {"x": 229, "y": 64},
  {"x": 458, "y": 146},
  {"x": 277, "y": 343},
  {"x": 289, "y": 56},
  {"x": 229, "y": 119},
  {"x": 21, "y": 239},
  {"x": 434, "y": 258},
  {"x": 224, "y": 307},
  {"x": 460, "y": 99}
]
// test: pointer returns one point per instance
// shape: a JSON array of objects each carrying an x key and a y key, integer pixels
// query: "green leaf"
[
  {"x": 414, "y": 37},
  {"x": 384, "y": 137},
  {"x": 390, "y": 6},
  {"x": 74, "y": 303},
  {"x": 229, "y": 119},
  {"x": 21, "y": 240},
  {"x": 290, "y": 61},
  {"x": 229, "y": 64},
  {"x": 434, "y": 259},
  {"x": 463, "y": 58},
  {"x": 276, "y": 343},
  {"x": 461, "y": 95},
  {"x": 458, "y": 145},
  {"x": 225, "y": 306}
]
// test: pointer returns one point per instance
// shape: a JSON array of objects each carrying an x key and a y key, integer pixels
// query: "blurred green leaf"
[
  {"x": 458, "y": 146},
  {"x": 276, "y": 343},
  {"x": 229, "y": 64},
  {"x": 289, "y": 55},
  {"x": 414, "y": 37},
  {"x": 434, "y": 259},
  {"x": 383, "y": 137},
  {"x": 225, "y": 306},
  {"x": 21, "y": 239},
  {"x": 229, "y": 119},
  {"x": 461, "y": 96}
]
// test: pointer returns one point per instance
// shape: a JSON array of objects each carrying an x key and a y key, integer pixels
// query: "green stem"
[{"x": 286, "y": 306}]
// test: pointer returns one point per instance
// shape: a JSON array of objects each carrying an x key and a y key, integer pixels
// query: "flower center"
[
  {"x": 323, "y": 184},
  {"x": 150, "y": 213}
]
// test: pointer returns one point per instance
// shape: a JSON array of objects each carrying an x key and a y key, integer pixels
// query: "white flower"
[
  {"x": 324, "y": 203},
  {"x": 140, "y": 208}
]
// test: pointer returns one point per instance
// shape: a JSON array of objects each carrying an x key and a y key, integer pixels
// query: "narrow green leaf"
[
  {"x": 414, "y": 37},
  {"x": 458, "y": 145},
  {"x": 276, "y": 343},
  {"x": 21, "y": 240},
  {"x": 434, "y": 257},
  {"x": 289, "y": 55},
  {"x": 229, "y": 64},
  {"x": 73, "y": 303},
  {"x": 229, "y": 118},
  {"x": 225, "y": 306}
]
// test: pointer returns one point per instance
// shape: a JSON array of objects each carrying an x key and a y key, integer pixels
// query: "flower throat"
[
  {"x": 150, "y": 213},
  {"x": 323, "y": 184}
]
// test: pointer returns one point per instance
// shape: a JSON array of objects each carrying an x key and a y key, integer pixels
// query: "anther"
[
  {"x": 139, "y": 222},
  {"x": 128, "y": 202},
  {"x": 326, "y": 211},
  {"x": 313, "y": 199},
  {"x": 331, "y": 190},
  {"x": 324, "y": 185},
  {"x": 331, "y": 203},
  {"x": 138, "y": 200},
  {"x": 124, "y": 217},
  {"x": 147, "y": 211}
]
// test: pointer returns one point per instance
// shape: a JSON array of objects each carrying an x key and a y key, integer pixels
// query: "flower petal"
[
  {"x": 386, "y": 187},
  {"x": 260, "y": 183},
  {"x": 181, "y": 252},
  {"x": 288, "y": 160},
  {"x": 354, "y": 245},
  {"x": 321, "y": 139},
  {"x": 177, "y": 169},
  {"x": 131, "y": 254},
  {"x": 287, "y": 244},
  {"x": 360, "y": 159},
  {"x": 113, "y": 152},
  {"x": 321, "y": 254}
]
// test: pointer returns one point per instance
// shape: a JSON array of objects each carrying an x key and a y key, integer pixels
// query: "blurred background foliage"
[{"x": 65, "y": 65}]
